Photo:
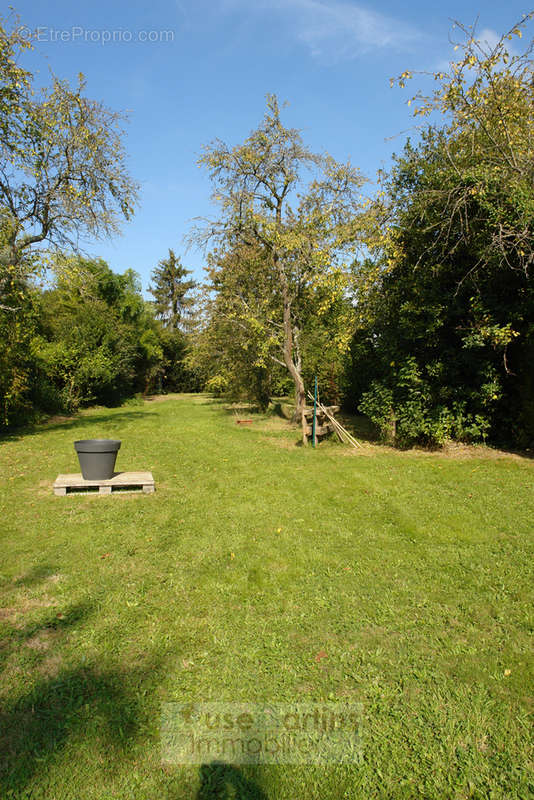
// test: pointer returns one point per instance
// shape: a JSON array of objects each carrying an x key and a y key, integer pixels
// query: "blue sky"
[{"x": 207, "y": 73}]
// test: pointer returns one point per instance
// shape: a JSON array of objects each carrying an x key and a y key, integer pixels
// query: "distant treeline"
[{"x": 90, "y": 338}]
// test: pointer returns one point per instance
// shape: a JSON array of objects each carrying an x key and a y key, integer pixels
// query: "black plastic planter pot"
[{"x": 97, "y": 458}]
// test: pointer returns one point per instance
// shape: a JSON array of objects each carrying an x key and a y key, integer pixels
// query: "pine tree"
[{"x": 170, "y": 291}]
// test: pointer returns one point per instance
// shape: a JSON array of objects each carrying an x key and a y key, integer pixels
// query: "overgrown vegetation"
[{"x": 444, "y": 340}]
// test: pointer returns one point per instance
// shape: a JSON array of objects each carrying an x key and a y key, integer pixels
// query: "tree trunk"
[
  {"x": 293, "y": 364},
  {"x": 291, "y": 338}
]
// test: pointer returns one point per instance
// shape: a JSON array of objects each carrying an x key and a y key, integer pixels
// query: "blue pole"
[{"x": 314, "y": 412}]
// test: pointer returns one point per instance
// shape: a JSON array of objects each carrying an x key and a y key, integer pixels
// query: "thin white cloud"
[
  {"x": 488, "y": 39},
  {"x": 336, "y": 29}
]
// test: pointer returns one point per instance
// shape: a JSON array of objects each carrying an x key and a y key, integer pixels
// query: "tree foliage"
[
  {"x": 174, "y": 306},
  {"x": 445, "y": 308},
  {"x": 237, "y": 345},
  {"x": 172, "y": 292},
  {"x": 63, "y": 177},
  {"x": 63, "y": 170},
  {"x": 97, "y": 340},
  {"x": 289, "y": 236},
  {"x": 487, "y": 99}
]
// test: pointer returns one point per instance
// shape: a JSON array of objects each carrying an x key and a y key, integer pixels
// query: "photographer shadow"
[{"x": 221, "y": 781}]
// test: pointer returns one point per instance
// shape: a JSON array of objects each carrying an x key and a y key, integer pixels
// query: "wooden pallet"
[
  {"x": 323, "y": 425},
  {"x": 308, "y": 411},
  {"x": 322, "y": 429},
  {"x": 129, "y": 481}
]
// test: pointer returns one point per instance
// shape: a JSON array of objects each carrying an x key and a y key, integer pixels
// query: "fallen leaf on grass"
[
  {"x": 106, "y": 555},
  {"x": 320, "y": 655}
]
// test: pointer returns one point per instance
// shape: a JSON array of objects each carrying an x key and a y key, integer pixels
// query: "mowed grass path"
[{"x": 263, "y": 571}]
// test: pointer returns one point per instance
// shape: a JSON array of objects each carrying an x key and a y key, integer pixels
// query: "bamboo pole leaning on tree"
[{"x": 341, "y": 432}]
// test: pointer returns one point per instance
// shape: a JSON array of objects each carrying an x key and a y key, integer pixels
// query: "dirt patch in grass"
[
  {"x": 279, "y": 424},
  {"x": 13, "y": 614},
  {"x": 7, "y": 614},
  {"x": 50, "y": 666},
  {"x": 285, "y": 444},
  {"x": 57, "y": 419},
  {"x": 42, "y": 640},
  {"x": 157, "y": 398},
  {"x": 306, "y": 688}
]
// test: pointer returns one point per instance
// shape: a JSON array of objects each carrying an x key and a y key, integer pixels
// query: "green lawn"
[{"x": 263, "y": 571}]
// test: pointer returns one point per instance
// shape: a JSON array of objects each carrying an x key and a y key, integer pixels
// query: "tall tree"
[
  {"x": 302, "y": 230},
  {"x": 171, "y": 291},
  {"x": 63, "y": 177},
  {"x": 236, "y": 351},
  {"x": 241, "y": 341},
  {"x": 63, "y": 172},
  {"x": 487, "y": 101},
  {"x": 445, "y": 312}
]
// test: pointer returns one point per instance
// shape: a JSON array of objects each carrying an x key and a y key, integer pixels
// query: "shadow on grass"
[
  {"x": 64, "y": 703},
  {"x": 37, "y": 574},
  {"x": 52, "y": 623},
  {"x": 117, "y": 418},
  {"x": 281, "y": 409},
  {"x": 59, "y": 622},
  {"x": 96, "y": 703},
  {"x": 100, "y": 704},
  {"x": 221, "y": 781},
  {"x": 359, "y": 426}
]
